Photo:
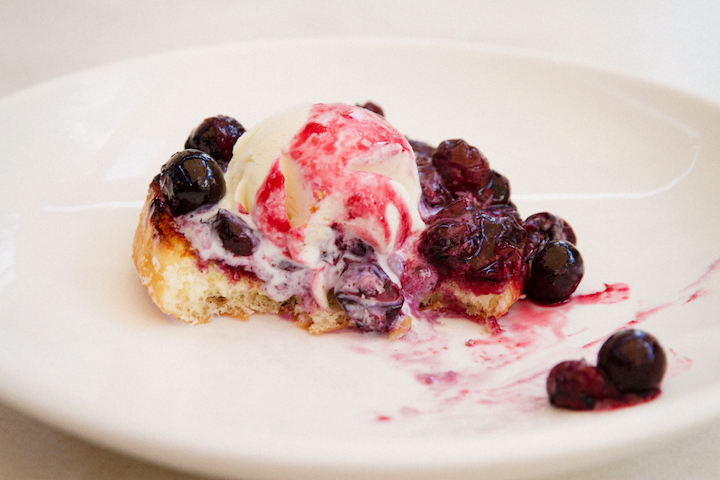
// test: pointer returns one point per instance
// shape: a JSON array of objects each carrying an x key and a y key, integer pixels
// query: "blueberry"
[
  {"x": 461, "y": 166},
  {"x": 545, "y": 226},
  {"x": 369, "y": 297},
  {"x": 555, "y": 272},
  {"x": 499, "y": 189},
  {"x": 373, "y": 108},
  {"x": 235, "y": 235},
  {"x": 633, "y": 360},
  {"x": 216, "y": 136},
  {"x": 191, "y": 179},
  {"x": 434, "y": 193},
  {"x": 576, "y": 385},
  {"x": 461, "y": 239}
]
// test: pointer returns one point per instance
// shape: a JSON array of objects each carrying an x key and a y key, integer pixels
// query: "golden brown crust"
[{"x": 451, "y": 296}]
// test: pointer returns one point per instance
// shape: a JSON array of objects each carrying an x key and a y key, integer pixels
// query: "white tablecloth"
[{"x": 675, "y": 42}]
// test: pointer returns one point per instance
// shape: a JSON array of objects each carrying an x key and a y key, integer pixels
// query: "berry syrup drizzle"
[{"x": 495, "y": 375}]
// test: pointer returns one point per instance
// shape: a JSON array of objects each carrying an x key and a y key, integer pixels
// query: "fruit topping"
[
  {"x": 577, "y": 385},
  {"x": 461, "y": 239},
  {"x": 630, "y": 367},
  {"x": 216, "y": 136},
  {"x": 461, "y": 166},
  {"x": 633, "y": 360},
  {"x": 555, "y": 272},
  {"x": 545, "y": 226},
  {"x": 369, "y": 297},
  {"x": 191, "y": 179},
  {"x": 235, "y": 235},
  {"x": 498, "y": 189},
  {"x": 373, "y": 108}
]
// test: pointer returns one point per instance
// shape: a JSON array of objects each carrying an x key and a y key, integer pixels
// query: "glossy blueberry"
[
  {"x": 555, "y": 272},
  {"x": 235, "y": 235},
  {"x": 633, "y": 360},
  {"x": 216, "y": 136},
  {"x": 369, "y": 297},
  {"x": 461, "y": 166},
  {"x": 191, "y": 179}
]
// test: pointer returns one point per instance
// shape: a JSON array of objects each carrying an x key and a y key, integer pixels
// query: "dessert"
[{"x": 327, "y": 213}]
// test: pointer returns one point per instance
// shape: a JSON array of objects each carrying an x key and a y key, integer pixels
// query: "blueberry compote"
[
  {"x": 474, "y": 230},
  {"x": 630, "y": 367},
  {"x": 216, "y": 136},
  {"x": 464, "y": 240}
]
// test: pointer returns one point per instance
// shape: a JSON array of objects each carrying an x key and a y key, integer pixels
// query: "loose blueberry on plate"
[
  {"x": 633, "y": 360},
  {"x": 191, "y": 179},
  {"x": 216, "y": 136},
  {"x": 369, "y": 297},
  {"x": 577, "y": 385},
  {"x": 630, "y": 368},
  {"x": 555, "y": 273}
]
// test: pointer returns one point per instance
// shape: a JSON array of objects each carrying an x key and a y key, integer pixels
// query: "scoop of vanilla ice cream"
[{"x": 313, "y": 172}]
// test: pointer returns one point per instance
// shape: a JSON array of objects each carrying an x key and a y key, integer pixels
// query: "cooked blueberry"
[
  {"x": 369, "y": 297},
  {"x": 461, "y": 239},
  {"x": 235, "y": 235},
  {"x": 434, "y": 193},
  {"x": 545, "y": 226},
  {"x": 373, "y": 108},
  {"x": 578, "y": 386},
  {"x": 499, "y": 189},
  {"x": 461, "y": 166},
  {"x": 633, "y": 360},
  {"x": 423, "y": 152},
  {"x": 216, "y": 136},
  {"x": 191, "y": 179},
  {"x": 555, "y": 272}
]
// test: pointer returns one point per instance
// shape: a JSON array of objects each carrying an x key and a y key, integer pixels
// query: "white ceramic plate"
[{"x": 632, "y": 165}]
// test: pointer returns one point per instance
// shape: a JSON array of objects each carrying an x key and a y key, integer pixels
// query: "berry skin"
[
  {"x": 369, "y": 297},
  {"x": 235, "y": 235},
  {"x": 434, "y": 193},
  {"x": 191, "y": 179},
  {"x": 461, "y": 239},
  {"x": 544, "y": 226},
  {"x": 555, "y": 272},
  {"x": 633, "y": 360},
  {"x": 373, "y": 108},
  {"x": 216, "y": 136},
  {"x": 498, "y": 190},
  {"x": 461, "y": 166},
  {"x": 576, "y": 385}
]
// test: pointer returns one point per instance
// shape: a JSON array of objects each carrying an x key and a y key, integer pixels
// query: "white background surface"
[{"x": 677, "y": 43}]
